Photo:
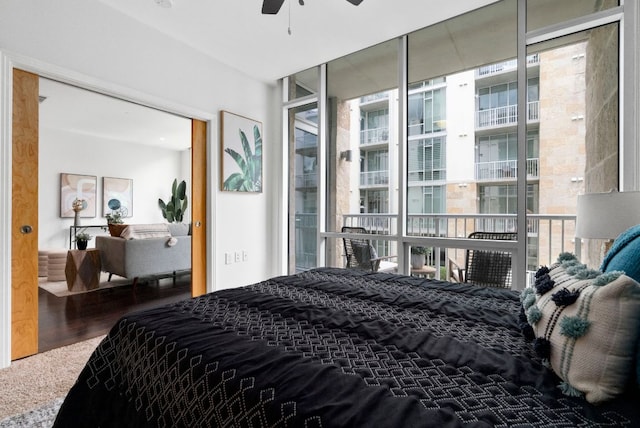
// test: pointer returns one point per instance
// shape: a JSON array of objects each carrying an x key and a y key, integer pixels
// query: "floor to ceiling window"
[
  {"x": 458, "y": 167},
  {"x": 303, "y": 171},
  {"x": 362, "y": 154}
]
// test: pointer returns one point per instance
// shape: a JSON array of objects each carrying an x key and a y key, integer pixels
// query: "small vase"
[
  {"x": 76, "y": 219},
  {"x": 81, "y": 244}
]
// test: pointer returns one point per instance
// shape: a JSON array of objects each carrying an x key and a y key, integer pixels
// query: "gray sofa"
[{"x": 135, "y": 258}]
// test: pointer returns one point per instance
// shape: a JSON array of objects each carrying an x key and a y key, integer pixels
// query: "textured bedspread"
[{"x": 329, "y": 348}]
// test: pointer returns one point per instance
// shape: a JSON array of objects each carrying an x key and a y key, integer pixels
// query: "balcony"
[
  {"x": 374, "y": 97},
  {"x": 305, "y": 181},
  {"x": 374, "y": 136},
  {"x": 503, "y": 170},
  {"x": 507, "y": 115},
  {"x": 505, "y": 66},
  {"x": 547, "y": 235},
  {"x": 308, "y": 141},
  {"x": 374, "y": 178}
]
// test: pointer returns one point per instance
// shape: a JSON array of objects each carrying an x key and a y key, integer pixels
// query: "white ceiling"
[
  {"x": 79, "y": 111},
  {"x": 237, "y": 34}
]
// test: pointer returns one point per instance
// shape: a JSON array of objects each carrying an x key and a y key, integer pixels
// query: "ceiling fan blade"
[
  {"x": 271, "y": 7},
  {"x": 355, "y": 2}
]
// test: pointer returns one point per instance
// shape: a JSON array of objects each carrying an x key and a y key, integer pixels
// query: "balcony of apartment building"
[
  {"x": 307, "y": 180},
  {"x": 506, "y": 170},
  {"x": 548, "y": 234},
  {"x": 374, "y": 137},
  {"x": 506, "y": 116},
  {"x": 510, "y": 66},
  {"x": 374, "y": 101},
  {"x": 306, "y": 143},
  {"x": 373, "y": 179}
]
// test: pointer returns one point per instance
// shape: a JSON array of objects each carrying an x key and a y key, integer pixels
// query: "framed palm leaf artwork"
[{"x": 241, "y": 156}]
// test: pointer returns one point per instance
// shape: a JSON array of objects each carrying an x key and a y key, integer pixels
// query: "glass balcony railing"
[
  {"x": 307, "y": 141},
  {"x": 374, "y": 136},
  {"x": 374, "y": 97},
  {"x": 374, "y": 178},
  {"x": 309, "y": 180}
]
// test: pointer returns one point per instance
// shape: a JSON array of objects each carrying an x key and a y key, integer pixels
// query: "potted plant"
[
  {"x": 418, "y": 256},
  {"x": 114, "y": 217},
  {"x": 81, "y": 240},
  {"x": 114, "y": 220},
  {"x": 175, "y": 208}
]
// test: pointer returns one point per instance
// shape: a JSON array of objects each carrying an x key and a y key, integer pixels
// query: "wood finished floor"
[{"x": 71, "y": 319}]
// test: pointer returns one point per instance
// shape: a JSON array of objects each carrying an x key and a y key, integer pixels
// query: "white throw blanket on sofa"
[{"x": 145, "y": 231}]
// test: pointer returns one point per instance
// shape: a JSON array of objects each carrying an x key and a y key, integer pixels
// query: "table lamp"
[{"x": 606, "y": 215}]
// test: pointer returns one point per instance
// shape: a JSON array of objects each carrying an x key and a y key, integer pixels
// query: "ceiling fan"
[{"x": 271, "y": 7}]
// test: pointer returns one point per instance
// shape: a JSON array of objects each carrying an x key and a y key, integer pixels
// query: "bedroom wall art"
[
  {"x": 78, "y": 190},
  {"x": 117, "y": 195},
  {"x": 241, "y": 156}
]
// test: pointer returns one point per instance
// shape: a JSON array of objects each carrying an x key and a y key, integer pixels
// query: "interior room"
[
  {"x": 108, "y": 140},
  {"x": 386, "y": 225}
]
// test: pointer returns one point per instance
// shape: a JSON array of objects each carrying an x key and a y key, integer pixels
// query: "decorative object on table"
[
  {"x": 81, "y": 240},
  {"x": 77, "y": 206},
  {"x": 117, "y": 196},
  {"x": 241, "y": 167},
  {"x": 175, "y": 208},
  {"x": 77, "y": 187},
  {"x": 114, "y": 218},
  {"x": 418, "y": 257}
]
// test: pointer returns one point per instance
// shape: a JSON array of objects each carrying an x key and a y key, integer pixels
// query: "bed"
[{"x": 331, "y": 348}]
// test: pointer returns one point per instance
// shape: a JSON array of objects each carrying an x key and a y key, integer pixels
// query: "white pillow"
[
  {"x": 587, "y": 322},
  {"x": 145, "y": 231}
]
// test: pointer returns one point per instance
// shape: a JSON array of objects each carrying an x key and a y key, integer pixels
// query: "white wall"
[
  {"x": 89, "y": 44},
  {"x": 152, "y": 170}
]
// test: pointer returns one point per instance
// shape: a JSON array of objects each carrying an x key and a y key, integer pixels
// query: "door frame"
[{"x": 7, "y": 63}]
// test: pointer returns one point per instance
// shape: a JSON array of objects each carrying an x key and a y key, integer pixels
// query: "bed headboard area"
[{"x": 348, "y": 348}]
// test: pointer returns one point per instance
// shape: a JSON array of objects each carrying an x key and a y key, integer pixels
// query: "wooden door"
[
  {"x": 24, "y": 212},
  {"x": 198, "y": 207}
]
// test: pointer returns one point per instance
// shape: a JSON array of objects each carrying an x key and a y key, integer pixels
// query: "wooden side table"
[{"x": 83, "y": 269}]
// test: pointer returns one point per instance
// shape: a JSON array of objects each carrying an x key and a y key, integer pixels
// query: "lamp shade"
[{"x": 606, "y": 215}]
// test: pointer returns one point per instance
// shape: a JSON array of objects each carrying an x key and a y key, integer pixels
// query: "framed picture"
[
  {"x": 241, "y": 153},
  {"x": 117, "y": 195},
  {"x": 78, "y": 190}
]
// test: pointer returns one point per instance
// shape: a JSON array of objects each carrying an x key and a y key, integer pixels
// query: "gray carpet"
[
  {"x": 35, "y": 383},
  {"x": 43, "y": 416}
]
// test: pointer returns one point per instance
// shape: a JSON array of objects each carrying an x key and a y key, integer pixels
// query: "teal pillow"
[{"x": 624, "y": 254}]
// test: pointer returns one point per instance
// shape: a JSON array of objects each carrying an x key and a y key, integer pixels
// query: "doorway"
[{"x": 196, "y": 160}]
